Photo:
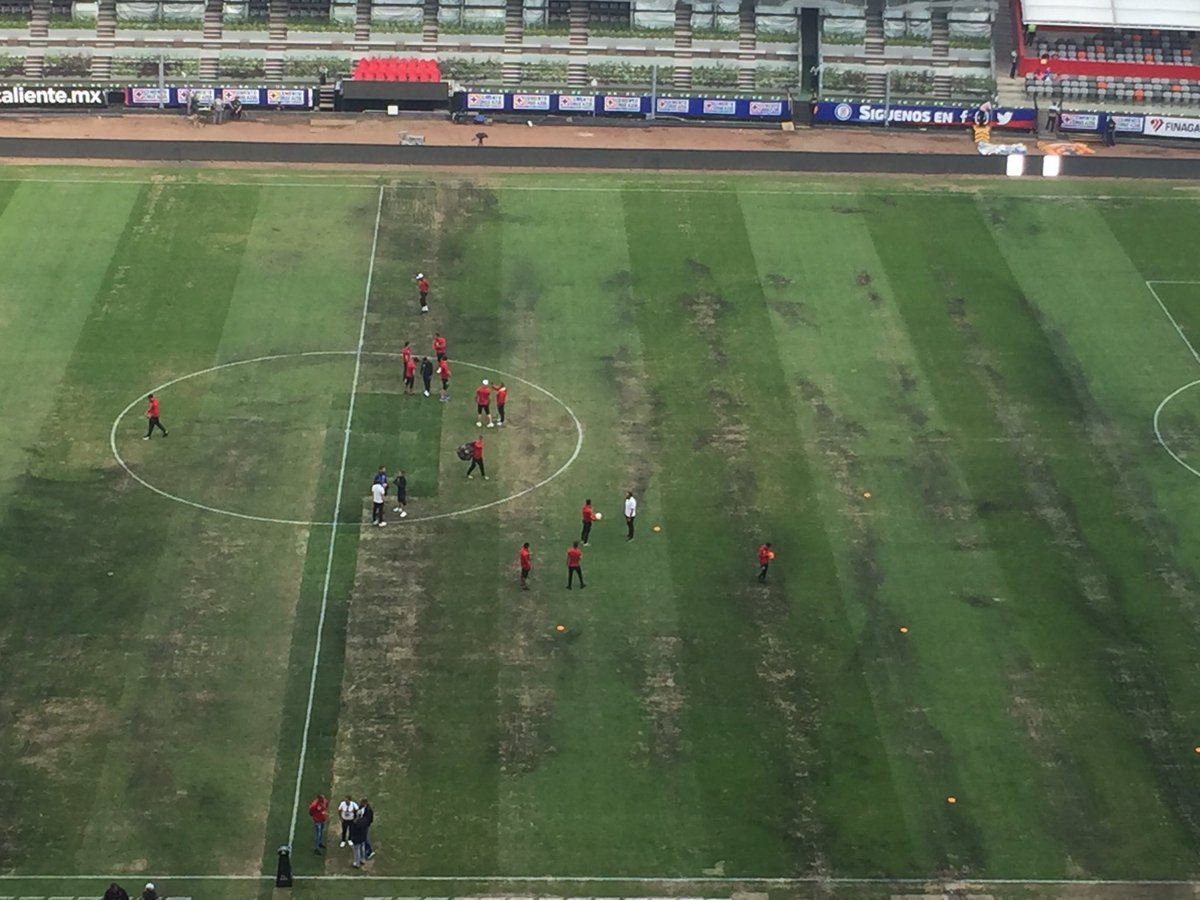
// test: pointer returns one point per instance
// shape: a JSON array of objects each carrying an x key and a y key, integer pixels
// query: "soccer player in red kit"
[
  {"x": 423, "y": 290},
  {"x": 406, "y": 352},
  {"x": 152, "y": 416},
  {"x": 444, "y": 374},
  {"x": 483, "y": 404},
  {"x": 526, "y": 565},
  {"x": 765, "y": 555},
  {"x": 477, "y": 458},
  {"x": 587, "y": 521},
  {"x": 410, "y": 373},
  {"x": 501, "y": 399},
  {"x": 574, "y": 565},
  {"x": 439, "y": 346}
]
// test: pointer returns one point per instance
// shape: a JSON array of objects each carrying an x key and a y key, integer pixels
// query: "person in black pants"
[
  {"x": 152, "y": 418},
  {"x": 367, "y": 815},
  {"x": 426, "y": 373},
  {"x": 574, "y": 565},
  {"x": 587, "y": 521}
]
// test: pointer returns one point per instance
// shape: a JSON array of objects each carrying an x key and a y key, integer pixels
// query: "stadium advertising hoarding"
[
  {"x": 1096, "y": 122},
  {"x": 31, "y": 96},
  {"x": 273, "y": 98},
  {"x": 1172, "y": 127},
  {"x": 837, "y": 112},
  {"x": 625, "y": 105}
]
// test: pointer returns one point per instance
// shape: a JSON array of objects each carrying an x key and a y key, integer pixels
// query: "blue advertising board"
[
  {"x": 918, "y": 116},
  {"x": 274, "y": 98},
  {"x": 640, "y": 105},
  {"x": 1094, "y": 122}
]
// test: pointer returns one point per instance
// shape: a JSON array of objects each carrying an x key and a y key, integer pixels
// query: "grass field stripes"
[
  {"x": 333, "y": 528},
  {"x": 1174, "y": 322}
]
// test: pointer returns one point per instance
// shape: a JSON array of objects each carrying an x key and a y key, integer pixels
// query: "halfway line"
[{"x": 337, "y": 506}]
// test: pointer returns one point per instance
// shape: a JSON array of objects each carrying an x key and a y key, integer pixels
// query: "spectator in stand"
[
  {"x": 1012, "y": 71},
  {"x": 116, "y": 892}
]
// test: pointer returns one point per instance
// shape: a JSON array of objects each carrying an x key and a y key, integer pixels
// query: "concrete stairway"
[
  {"x": 874, "y": 43},
  {"x": 277, "y": 34},
  {"x": 362, "y": 21},
  {"x": 683, "y": 46},
  {"x": 577, "y": 41},
  {"x": 39, "y": 32},
  {"x": 514, "y": 35},
  {"x": 429, "y": 26},
  {"x": 214, "y": 29},
  {"x": 939, "y": 22},
  {"x": 106, "y": 32},
  {"x": 747, "y": 44}
]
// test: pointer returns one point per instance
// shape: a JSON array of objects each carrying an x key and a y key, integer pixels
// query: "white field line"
[
  {"x": 412, "y": 517},
  {"x": 769, "y": 881},
  {"x": 337, "y": 506},
  {"x": 637, "y": 189},
  {"x": 1157, "y": 299}
]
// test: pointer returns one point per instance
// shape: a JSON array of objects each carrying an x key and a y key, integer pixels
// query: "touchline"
[{"x": 21, "y": 95}]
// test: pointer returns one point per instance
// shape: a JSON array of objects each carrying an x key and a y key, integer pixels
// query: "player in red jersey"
[
  {"x": 477, "y": 458},
  {"x": 152, "y": 417},
  {"x": 423, "y": 290},
  {"x": 575, "y": 565},
  {"x": 444, "y": 374},
  {"x": 439, "y": 346},
  {"x": 501, "y": 399},
  {"x": 410, "y": 373},
  {"x": 406, "y": 352},
  {"x": 765, "y": 555},
  {"x": 526, "y": 565},
  {"x": 483, "y": 404},
  {"x": 587, "y": 521}
]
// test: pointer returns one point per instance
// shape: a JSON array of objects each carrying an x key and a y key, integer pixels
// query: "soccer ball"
[
  {"x": 485, "y": 381},
  {"x": 478, "y": 424},
  {"x": 598, "y": 516}
]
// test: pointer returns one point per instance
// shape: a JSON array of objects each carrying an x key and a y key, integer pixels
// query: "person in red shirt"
[
  {"x": 439, "y": 346},
  {"x": 477, "y": 458},
  {"x": 318, "y": 811},
  {"x": 444, "y": 374},
  {"x": 765, "y": 555},
  {"x": 587, "y": 521},
  {"x": 152, "y": 416},
  {"x": 501, "y": 399},
  {"x": 483, "y": 404},
  {"x": 406, "y": 352},
  {"x": 410, "y": 373},
  {"x": 526, "y": 565},
  {"x": 423, "y": 290},
  {"x": 575, "y": 565}
]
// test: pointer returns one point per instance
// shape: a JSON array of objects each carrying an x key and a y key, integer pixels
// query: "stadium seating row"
[
  {"x": 390, "y": 68},
  {"x": 1130, "y": 90},
  {"x": 1145, "y": 48}
]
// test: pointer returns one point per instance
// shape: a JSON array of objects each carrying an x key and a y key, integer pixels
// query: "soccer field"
[{"x": 966, "y": 416}]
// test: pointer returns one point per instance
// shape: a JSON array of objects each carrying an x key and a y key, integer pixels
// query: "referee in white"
[{"x": 630, "y": 513}]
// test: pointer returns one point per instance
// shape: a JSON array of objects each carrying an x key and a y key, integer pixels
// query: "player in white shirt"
[
  {"x": 630, "y": 513},
  {"x": 348, "y": 812},
  {"x": 378, "y": 491}
]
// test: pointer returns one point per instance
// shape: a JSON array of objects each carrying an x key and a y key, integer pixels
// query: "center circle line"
[{"x": 112, "y": 441}]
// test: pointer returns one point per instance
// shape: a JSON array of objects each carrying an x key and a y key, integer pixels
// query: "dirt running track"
[{"x": 374, "y": 139}]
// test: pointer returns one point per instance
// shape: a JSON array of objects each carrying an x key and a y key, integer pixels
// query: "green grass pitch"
[{"x": 937, "y": 401}]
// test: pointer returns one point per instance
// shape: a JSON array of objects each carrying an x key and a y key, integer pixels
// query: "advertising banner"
[
  {"x": 576, "y": 103},
  {"x": 769, "y": 108},
  {"x": 678, "y": 106},
  {"x": 285, "y": 98},
  {"x": 720, "y": 108},
  {"x": 918, "y": 116},
  {"x": 1075, "y": 121},
  {"x": 1172, "y": 127},
  {"x": 485, "y": 101},
  {"x": 44, "y": 97},
  {"x": 623, "y": 104},
  {"x": 1097, "y": 122},
  {"x": 531, "y": 101}
]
